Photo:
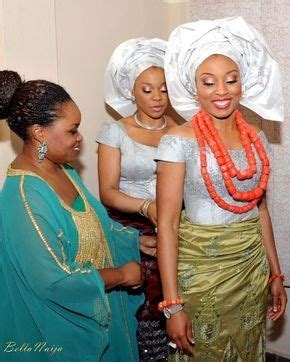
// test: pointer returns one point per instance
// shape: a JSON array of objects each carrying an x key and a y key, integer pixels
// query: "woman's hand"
[
  {"x": 131, "y": 274},
  {"x": 179, "y": 329},
  {"x": 152, "y": 213},
  {"x": 279, "y": 300},
  {"x": 148, "y": 245}
]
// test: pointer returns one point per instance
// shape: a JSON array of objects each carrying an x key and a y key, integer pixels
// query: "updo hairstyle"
[{"x": 26, "y": 103}]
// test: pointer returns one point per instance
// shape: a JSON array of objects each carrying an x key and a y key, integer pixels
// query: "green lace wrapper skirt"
[{"x": 223, "y": 277}]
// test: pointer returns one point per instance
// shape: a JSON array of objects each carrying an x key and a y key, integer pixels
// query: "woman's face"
[
  {"x": 151, "y": 93},
  {"x": 62, "y": 136},
  {"x": 218, "y": 86}
]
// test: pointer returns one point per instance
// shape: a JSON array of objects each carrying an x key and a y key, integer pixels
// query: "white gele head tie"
[
  {"x": 190, "y": 44},
  {"x": 127, "y": 62}
]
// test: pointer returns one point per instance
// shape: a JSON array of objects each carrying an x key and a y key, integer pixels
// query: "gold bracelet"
[
  {"x": 141, "y": 206},
  {"x": 143, "y": 203},
  {"x": 144, "y": 207}
]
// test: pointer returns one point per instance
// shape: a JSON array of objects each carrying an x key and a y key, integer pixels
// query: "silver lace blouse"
[
  {"x": 199, "y": 206},
  {"x": 138, "y": 168}
]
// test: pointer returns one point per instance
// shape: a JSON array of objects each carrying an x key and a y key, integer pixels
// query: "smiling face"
[
  {"x": 62, "y": 136},
  {"x": 218, "y": 86},
  {"x": 151, "y": 93}
]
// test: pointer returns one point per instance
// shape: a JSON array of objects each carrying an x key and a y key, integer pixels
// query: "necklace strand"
[
  {"x": 207, "y": 133},
  {"x": 150, "y": 128}
]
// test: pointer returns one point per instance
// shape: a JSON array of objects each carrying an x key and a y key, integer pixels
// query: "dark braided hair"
[
  {"x": 9, "y": 81},
  {"x": 28, "y": 103}
]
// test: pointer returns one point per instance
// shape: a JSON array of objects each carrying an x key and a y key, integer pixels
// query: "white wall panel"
[{"x": 27, "y": 45}]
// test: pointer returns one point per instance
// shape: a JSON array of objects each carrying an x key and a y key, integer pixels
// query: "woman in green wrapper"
[
  {"x": 66, "y": 269},
  {"x": 216, "y": 256}
]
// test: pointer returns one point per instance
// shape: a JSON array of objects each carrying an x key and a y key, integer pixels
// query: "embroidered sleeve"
[
  {"x": 170, "y": 149},
  {"x": 111, "y": 134},
  {"x": 57, "y": 254}
]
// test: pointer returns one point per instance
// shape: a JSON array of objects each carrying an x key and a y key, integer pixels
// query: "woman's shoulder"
[
  {"x": 111, "y": 133},
  {"x": 185, "y": 130},
  {"x": 25, "y": 186},
  {"x": 113, "y": 125}
]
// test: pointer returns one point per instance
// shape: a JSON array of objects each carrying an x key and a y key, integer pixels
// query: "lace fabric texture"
[
  {"x": 199, "y": 206},
  {"x": 138, "y": 168}
]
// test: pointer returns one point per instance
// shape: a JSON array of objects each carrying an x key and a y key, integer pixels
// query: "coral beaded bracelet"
[
  {"x": 274, "y": 276},
  {"x": 169, "y": 303}
]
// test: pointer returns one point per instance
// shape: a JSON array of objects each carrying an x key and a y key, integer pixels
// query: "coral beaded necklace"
[{"x": 206, "y": 133}]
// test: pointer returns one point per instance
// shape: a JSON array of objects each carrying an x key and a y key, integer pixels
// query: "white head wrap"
[
  {"x": 190, "y": 44},
  {"x": 127, "y": 62}
]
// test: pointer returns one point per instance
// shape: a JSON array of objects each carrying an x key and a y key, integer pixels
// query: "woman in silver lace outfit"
[
  {"x": 217, "y": 254},
  {"x": 135, "y": 87}
]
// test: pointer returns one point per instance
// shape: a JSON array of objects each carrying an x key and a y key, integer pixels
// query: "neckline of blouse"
[
  {"x": 130, "y": 138},
  {"x": 20, "y": 172},
  {"x": 242, "y": 150}
]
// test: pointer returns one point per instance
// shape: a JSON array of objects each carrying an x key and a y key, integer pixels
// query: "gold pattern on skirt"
[
  {"x": 207, "y": 323},
  {"x": 250, "y": 310},
  {"x": 231, "y": 353},
  {"x": 223, "y": 278}
]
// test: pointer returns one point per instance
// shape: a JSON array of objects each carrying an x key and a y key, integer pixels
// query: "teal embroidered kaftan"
[{"x": 53, "y": 301}]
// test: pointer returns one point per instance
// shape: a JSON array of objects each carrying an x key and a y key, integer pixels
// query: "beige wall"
[
  {"x": 70, "y": 41},
  {"x": 28, "y": 45}
]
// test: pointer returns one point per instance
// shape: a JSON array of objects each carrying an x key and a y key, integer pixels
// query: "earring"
[
  {"x": 42, "y": 150},
  {"x": 133, "y": 99}
]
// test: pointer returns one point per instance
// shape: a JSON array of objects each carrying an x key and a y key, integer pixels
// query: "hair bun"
[{"x": 9, "y": 81}]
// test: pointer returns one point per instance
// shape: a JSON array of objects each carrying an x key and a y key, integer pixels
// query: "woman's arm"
[
  {"x": 109, "y": 169},
  {"x": 170, "y": 178},
  {"x": 278, "y": 293},
  {"x": 127, "y": 275},
  {"x": 170, "y": 181}
]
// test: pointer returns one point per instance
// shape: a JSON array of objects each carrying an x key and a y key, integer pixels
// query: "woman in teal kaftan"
[
  {"x": 53, "y": 254},
  {"x": 51, "y": 303}
]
